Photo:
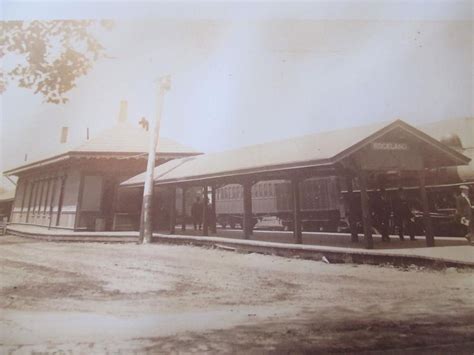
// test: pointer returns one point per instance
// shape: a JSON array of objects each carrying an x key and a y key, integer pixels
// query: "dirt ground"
[{"x": 61, "y": 298}]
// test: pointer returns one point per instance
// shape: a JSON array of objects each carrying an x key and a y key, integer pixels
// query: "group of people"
[
  {"x": 403, "y": 217},
  {"x": 197, "y": 213}
]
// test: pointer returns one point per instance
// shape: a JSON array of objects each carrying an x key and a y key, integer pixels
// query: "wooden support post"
[
  {"x": 205, "y": 214},
  {"x": 352, "y": 213},
  {"x": 173, "y": 210},
  {"x": 295, "y": 192},
  {"x": 426, "y": 211},
  {"x": 247, "y": 218},
  {"x": 183, "y": 209},
  {"x": 364, "y": 199},
  {"x": 213, "y": 222}
]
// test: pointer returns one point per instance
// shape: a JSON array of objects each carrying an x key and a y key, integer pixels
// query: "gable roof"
[
  {"x": 325, "y": 148},
  {"x": 124, "y": 139}
]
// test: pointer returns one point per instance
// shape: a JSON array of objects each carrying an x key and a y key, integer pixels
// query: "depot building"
[{"x": 77, "y": 189}]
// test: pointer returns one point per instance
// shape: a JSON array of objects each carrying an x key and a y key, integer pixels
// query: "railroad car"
[{"x": 320, "y": 204}]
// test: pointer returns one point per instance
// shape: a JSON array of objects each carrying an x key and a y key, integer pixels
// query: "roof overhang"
[{"x": 90, "y": 155}]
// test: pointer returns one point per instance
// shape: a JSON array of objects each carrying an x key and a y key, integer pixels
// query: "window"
[{"x": 39, "y": 195}]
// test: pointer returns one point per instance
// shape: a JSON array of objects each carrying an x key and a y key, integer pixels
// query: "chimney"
[
  {"x": 64, "y": 132},
  {"x": 123, "y": 111}
]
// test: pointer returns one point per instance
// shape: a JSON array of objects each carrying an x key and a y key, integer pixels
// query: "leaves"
[{"x": 50, "y": 56}]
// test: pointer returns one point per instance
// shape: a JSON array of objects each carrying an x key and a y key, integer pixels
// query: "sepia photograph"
[{"x": 236, "y": 177}]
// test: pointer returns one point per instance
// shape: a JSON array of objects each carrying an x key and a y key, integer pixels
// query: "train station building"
[
  {"x": 77, "y": 189},
  {"x": 361, "y": 157}
]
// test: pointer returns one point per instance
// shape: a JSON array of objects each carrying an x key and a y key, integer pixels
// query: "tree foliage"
[{"x": 49, "y": 56}]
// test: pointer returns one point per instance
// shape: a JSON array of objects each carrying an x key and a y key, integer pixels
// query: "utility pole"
[{"x": 163, "y": 85}]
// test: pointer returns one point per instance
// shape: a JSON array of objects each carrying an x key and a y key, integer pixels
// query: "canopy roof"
[
  {"x": 122, "y": 140},
  {"x": 315, "y": 150}
]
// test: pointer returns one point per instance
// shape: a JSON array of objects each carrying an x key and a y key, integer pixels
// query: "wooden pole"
[
  {"x": 183, "y": 209},
  {"x": 146, "y": 214},
  {"x": 364, "y": 198},
  {"x": 426, "y": 211},
  {"x": 352, "y": 214},
  {"x": 205, "y": 214},
  {"x": 173, "y": 210},
  {"x": 247, "y": 218},
  {"x": 213, "y": 223},
  {"x": 295, "y": 191}
]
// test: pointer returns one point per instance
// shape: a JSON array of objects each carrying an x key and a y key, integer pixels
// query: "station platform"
[{"x": 330, "y": 247}]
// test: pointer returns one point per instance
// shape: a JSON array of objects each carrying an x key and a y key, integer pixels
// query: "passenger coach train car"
[{"x": 321, "y": 208}]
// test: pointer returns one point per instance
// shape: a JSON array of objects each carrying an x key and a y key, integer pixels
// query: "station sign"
[
  {"x": 389, "y": 153},
  {"x": 390, "y": 146}
]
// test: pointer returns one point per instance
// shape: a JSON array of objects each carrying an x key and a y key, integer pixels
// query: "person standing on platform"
[
  {"x": 381, "y": 213},
  {"x": 464, "y": 211},
  {"x": 196, "y": 214},
  {"x": 404, "y": 218}
]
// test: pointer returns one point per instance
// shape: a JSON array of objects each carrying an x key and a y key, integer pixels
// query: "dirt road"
[{"x": 95, "y": 298}]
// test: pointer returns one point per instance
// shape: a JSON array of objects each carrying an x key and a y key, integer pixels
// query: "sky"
[{"x": 245, "y": 72}]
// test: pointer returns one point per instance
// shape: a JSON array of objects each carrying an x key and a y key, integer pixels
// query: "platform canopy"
[{"x": 382, "y": 146}]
